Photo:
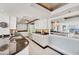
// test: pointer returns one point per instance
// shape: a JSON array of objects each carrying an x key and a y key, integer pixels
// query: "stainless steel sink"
[
  {"x": 21, "y": 42},
  {"x": 12, "y": 45},
  {"x": 4, "y": 47}
]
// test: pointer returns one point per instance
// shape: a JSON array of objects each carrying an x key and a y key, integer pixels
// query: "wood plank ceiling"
[{"x": 51, "y": 6}]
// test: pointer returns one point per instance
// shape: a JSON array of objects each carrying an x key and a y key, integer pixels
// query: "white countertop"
[
  {"x": 64, "y": 44},
  {"x": 41, "y": 39}
]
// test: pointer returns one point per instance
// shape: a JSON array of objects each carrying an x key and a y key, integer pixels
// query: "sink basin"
[
  {"x": 4, "y": 47},
  {"x": 20, "y": 42},
  {"x": 13, "y": 45}
]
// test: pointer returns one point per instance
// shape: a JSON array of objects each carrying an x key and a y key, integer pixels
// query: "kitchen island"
[
  {"x": 61, "y": 43},
  {"x": 64, "y": 44}
]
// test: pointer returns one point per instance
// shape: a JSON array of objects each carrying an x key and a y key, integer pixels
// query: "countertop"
[
  {"x": 41, "y": 39},
  {"x": 64, "y": 44}
]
